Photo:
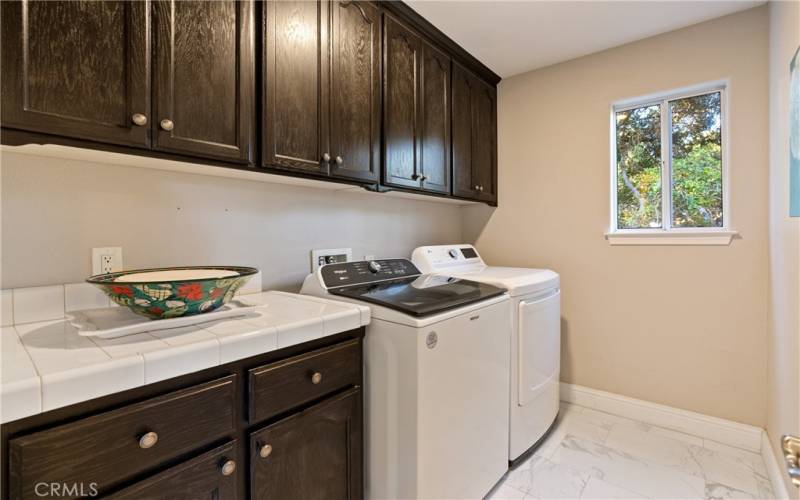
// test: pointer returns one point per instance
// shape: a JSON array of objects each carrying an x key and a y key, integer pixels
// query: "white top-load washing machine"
[
  {"x": 436, "y": 378},
  {"x": 535, "y": 341}
]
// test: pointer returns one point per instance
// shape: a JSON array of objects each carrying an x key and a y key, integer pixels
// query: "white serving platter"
[{"x": 113, "y": 322}]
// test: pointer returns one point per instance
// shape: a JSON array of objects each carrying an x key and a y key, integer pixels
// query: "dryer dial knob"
[
  {"x": 453, "y": 253},
  {"x": 374, "y": 266}
]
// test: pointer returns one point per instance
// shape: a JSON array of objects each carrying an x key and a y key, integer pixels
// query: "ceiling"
[{"x": 513, "y": 37}]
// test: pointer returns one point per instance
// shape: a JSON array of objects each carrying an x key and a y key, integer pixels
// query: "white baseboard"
[
  {"x": 743, "y": 436},
  {"x": 774, "y": 469}
]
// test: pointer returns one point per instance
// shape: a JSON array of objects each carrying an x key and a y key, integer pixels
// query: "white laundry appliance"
[
  {"x": 535, "y": 340},
  {"x": 436, "y": 377}
]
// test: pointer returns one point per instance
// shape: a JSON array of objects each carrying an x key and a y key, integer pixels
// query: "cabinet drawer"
[
  {"x": 112, "y": 447},
  {"x": 212, "y": 475},
  {"x": 281, "y": 386}
]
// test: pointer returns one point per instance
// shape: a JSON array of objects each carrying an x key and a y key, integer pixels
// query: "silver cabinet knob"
[
  {"x": 167, "y": 124},
  {"x": 423, "y": 178},
  {"x": 339, "y": 160},
  {"x": 228, "y": 467},
  {"x": 139, "y": 119},
  {"x": 415, "y": 177},
  {"x": 477, "y": 187},
  {"x": 326, "y": 157},
  {"x": 265, "y": 451},
  {"x": 481, "y": 189},
  {"x": 316, "y": 378},
  {"x": 148, "y": 440}
]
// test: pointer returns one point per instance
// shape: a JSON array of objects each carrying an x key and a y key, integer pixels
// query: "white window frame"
[{"x": 666, "y": 234}]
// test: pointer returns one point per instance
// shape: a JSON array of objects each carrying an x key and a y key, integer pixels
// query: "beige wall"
[
  {"x": 54, "y": 211},
  {"x": 783, "y": 410},
  {"x": 682, "y": 326}
]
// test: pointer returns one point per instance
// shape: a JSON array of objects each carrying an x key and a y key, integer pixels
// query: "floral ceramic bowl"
[{"x": 175, "y": 291}]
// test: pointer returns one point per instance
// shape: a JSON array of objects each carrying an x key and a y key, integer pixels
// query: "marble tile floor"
[{"x": 596, "y": 455}]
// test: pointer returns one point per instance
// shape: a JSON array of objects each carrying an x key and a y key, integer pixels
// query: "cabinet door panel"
[
  {"x": 435, "y": 137},
  {"x": 204, "y": 78},
  {"x": 355, "y": 90},
  {"x": 463, "y": 184},
  {"x": 77, "y": 69},
  {"x": 200, "y": 478},
  {"x": 401, "y": 104},
  {"x": 314, "y": 454},
  {"x": 296, "y": 60},
  {"x": 484, "y": 142}
]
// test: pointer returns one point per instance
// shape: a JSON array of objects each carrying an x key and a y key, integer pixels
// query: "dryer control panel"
[
  {"x": 441, "y": 258},
  {"x": 366, "y": 271}
]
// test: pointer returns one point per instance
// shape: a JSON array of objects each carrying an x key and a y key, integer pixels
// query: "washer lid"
[
  {"x": 517, "y": 280},
  {"x": 420, "y": 296}
]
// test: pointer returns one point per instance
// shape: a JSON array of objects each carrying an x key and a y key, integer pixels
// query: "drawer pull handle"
[
  {"x": 148, "y": 440},
  {"x": 265, "y": 451},
  {"x": 316, "y": 378},
  {"x": 228, "y": 467}
]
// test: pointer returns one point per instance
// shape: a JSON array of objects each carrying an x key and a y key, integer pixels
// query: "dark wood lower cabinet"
[
  {"x": 210, "y": 476},
  {"x": 107, "y": 449},
  {"x": 315, "y": 454},
  {"x": 192, "y": 437}
]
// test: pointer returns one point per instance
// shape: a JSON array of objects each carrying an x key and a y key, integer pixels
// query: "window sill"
[{"x": 647, "y": 237}]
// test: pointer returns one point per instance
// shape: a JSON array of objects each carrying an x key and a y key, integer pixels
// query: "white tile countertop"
[{"x": 48, "y": 365}]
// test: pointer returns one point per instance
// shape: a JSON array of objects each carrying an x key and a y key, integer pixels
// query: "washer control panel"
[{"x": 366, "y": 271}]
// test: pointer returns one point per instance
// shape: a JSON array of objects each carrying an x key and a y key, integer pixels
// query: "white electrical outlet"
[
  {"x": 106, "y": 260},
  {"x": 330, "y": 256}
]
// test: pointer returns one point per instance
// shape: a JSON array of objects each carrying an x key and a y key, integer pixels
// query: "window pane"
[
  {"x": 696, "y": 161},
  {"x": 639, "y": 167}
]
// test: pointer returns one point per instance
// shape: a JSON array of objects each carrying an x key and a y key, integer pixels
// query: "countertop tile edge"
[{"x": 56, "y": 390}]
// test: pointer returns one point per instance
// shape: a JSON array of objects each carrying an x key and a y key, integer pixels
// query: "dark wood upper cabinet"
[
  {"x": 77, "y": 69},
  {"x": 484, "y": 143},
  {"x": 355, "y": 90},
  {"x": 474, "y": 137},
  {"x": 416, "y": 110},
  {"x": 203, "y": 99},
  {"x": 402, "y": 52},
  {"x": 463, "y": 184},
  {"x": 296, "y": 113},
  {"x": 314, "y": 454},
  {"x": 435, "y": 123},
  {"x": 364, "y": 92},
  {"x": 322, "y": 100}
]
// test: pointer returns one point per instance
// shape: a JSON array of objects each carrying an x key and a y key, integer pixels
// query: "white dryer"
[
  {"x": 436, "y": 364},
  {"x": 535, "y": 341}
]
